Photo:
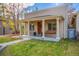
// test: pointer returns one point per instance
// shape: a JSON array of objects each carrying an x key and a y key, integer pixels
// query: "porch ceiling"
[{"x": 46, "y": 17}]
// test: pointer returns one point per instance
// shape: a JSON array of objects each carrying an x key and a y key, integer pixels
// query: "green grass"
[
  {"x": 43, "y": 48},
  {"x": 6, "y": 39}
]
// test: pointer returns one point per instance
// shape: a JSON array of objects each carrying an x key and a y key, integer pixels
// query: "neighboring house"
[
  {"x": 1, "y": 28},
  {"x": 4, "y": 27}
]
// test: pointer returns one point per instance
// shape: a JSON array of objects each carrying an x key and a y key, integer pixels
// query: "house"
[{"x": 49, "y": 24}]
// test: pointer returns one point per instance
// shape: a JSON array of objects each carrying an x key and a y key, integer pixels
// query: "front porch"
[{"x": 47, "y": 28}]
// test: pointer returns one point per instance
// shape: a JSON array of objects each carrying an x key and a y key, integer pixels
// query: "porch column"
[
  {"x": 28, "y": 28},
  {"x": 43, "y": 28},
  {"x": 57, "y": 29},
  {"x": 20, "y": 28},
  {"x": 24, "y": 28}
]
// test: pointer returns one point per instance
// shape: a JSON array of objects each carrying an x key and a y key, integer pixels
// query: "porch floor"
[{"x": 40, "y": 38}]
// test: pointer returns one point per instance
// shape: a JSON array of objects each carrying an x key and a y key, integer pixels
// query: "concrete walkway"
[{"x": 3, "y": 45}]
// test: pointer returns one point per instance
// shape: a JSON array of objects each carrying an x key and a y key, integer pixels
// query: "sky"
[
  {"x": 41, "y": 6},
  {"x": 76, "y": 6}
]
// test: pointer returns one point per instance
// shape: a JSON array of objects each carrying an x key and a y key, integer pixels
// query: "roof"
[
  {"x": 46, "y": 17},
  {"x": 37, "y": 13}
]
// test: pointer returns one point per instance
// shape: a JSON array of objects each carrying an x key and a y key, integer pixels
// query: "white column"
[
  {"x": 57, "y": 29},
  {"x": 28, "y": 28},
  {"x": 20, "y": 27},
  {"x": 24, "y": 28},
  {"x": 43, "y": 28}
]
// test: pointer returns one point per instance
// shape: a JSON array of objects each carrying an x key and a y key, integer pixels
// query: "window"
[
  {"x": 32, "y": 27},
  {"x": 51, "y": 26}
]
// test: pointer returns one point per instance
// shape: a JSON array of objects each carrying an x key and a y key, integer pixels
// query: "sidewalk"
[{"x": 3, "y": 45}]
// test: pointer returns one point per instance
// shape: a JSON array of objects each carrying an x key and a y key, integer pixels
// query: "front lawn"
[
  {"x": 6, "y": 39},
  {"x": 43, "y": 48}
]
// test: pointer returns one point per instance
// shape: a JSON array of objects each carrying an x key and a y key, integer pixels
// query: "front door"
[{"x": 39, "y": 27}]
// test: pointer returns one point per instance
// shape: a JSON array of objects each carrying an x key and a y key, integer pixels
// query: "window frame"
[
  {"x": 32, "y": 27},
  {"x": 52, "y": 26}
]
